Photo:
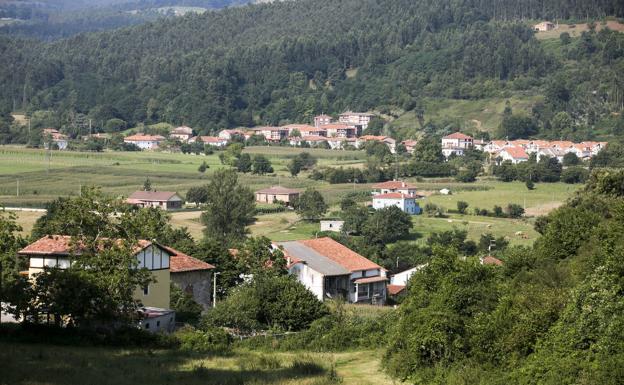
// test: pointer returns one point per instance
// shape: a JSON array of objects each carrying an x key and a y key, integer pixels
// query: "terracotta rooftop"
[
  {"x": 393, "y": 185},
  {"x": 278, "y": 190},
  {"x": 340, "y": 254},
  {"x": 61, "y": 245},
  {"x": 157, "y": 196},
  {"x": 393, "y": 195},
  {"x": 184, "y": 130},
  {"x": 489, "y": 260},
  {"x": 516, "y": 152},
  {"x": 395, "y": 289},
  {"x": 144, "y": 138},
  {"x": 337, "y": 126},
  {"x": 370, "y": 279},
  {"x": 181, "y": 262},
  {"x": 458, "y": 135}
]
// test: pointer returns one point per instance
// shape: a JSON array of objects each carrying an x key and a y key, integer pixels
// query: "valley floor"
[{"x": 40, "y": 364}]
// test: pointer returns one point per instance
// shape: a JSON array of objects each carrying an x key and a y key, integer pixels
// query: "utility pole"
[
  {"x": 214, "y": 290},
  {"x": 17, "y": 188}
]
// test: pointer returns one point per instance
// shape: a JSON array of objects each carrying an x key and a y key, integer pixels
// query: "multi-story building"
[{"x": 357, "y": 119}]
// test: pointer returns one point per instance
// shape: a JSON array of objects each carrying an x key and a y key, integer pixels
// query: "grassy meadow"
[
  {"x": 41, "y": 364},
  {"x": 120, "y": 173}
]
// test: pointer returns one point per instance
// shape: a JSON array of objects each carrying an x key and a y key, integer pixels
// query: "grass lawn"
[{"x": 41, "y": 364}]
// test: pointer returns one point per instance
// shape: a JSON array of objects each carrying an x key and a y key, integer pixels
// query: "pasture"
[{"x": 41, "y": 364}]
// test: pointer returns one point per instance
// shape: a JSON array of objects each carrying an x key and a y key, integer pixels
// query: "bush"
[
  {"x": 514, "y": 210},
  {"x": 574, "y": 175},
  {"x": 208, "y": 340},
  {"x": 462, "y": 207}
]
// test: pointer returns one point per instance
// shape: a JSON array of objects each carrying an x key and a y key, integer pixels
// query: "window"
[
  {"x": 146, "y": 290},
  {"x": 147, "y": 325},
  {"x": 157, "y": 324}
]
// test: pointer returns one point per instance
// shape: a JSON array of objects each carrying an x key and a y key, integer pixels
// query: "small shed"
[
  {"x": 334, "y": 225},
  {"x": 277, "y": 194}
]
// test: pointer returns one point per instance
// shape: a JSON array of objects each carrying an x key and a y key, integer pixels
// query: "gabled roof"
[
  {"x": 301, "y": 127},
  {"x": 393, "y": 195},
  {"x": 158, "y": 196},
  {"x": 458, "y": 135},
  {"x": 314, "y": 138},
  {"x": 489, "y": 260},
  {"x": 209, "y": 139},
  {"x": 144, "y": 138},
  {"x": 516, "y": 152},
  {"x": 278, "y": 190},
  {"x": 340, "y": 254},
  {"x": 561, "y": 143},
  {"x": 62, "y": 245},
  {"x": 180, "y": 262},
  {"x": 393, "y": 185},
  {"x": 182, "y": 130}
]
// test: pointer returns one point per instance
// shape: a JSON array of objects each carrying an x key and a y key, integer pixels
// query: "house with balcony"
[
  {"x": 456, "y": 143},
  {"x": 331, "y": 270},
  {"x": 271, "y": 134},
  {"x": 321, "y": 120},
  {"x": 357, "y": 119},
  {"x": 395, "y": 186},
  {"x": 341, "y": 130}
]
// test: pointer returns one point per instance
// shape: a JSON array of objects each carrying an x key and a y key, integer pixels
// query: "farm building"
[
  {"x": 183, "y": 133},
  {"x": 407, "y": 203},
  {"x": 166, "y": 200},
  {"x": 330, "y": 270},
  {"x": 277, "y": 194},
  {"x": 334, "y": 225},
  {"x": 544, "y": 26}
]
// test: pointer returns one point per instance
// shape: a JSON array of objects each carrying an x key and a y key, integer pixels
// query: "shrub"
[
  {"x": 208, "y": 340},
  {"x": 515, "y": 210},
  {"x": 462, "y": 207},
  {"x": 574, "y": 175}
]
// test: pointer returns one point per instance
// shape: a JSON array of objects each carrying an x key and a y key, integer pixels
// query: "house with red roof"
[
  {"x": 60, "y": 250},
  {"x": 323, "y": 119},
  {"x": 182, "y": 133},
  {"x": 166, "y": 200},
  {"x": 514, "y": 154},
  {"x": 192, "y": 276},
  {"x": 456, "y": 143},
  {"x": 145, "y": 142},
  {"x": 407, "y": 203},
  {"x": 357, "y": 119},
  {"x": 340, "y": 130},
  {"x": 392, "y": 186},
  {"x": 210, "y": 140},
  {"x": 331, "y": 270},
  {"x": 388, "y": 141},
  {"x": 277, "y": 194}
]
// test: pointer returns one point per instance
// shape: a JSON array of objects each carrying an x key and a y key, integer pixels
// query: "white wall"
[{"x": 311, "y": 279}]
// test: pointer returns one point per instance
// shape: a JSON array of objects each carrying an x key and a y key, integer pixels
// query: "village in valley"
[{"x": 309, "y": 192}]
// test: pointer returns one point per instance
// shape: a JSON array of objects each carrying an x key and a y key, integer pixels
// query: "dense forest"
[
  {"x": 287, "y": 61},
  {"x": 60, "y": 19}
]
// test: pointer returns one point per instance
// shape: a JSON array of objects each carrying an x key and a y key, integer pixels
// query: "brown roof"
[
  {"x": 337, "y": 126},
  {"x": 181, "y": 262},
  {"x": 142, "y": 138},
  {"x": 377, "y": 278},
  {"x": 182, "y": 130},
  {"x": 393, "y": 195},
  {"x": 457, "y": 135},
  {"x": 395, "y": 289},
  {"x": 516, "y": 152},
  {"x": 340, "y": 254},
  {"x": 278, "y": 190},
  {"x": 61, "y": 245},
  {"x": 489, "y": 260},
  {"x": 394, "y": 184},
  {"x": 157, "y": 196}
]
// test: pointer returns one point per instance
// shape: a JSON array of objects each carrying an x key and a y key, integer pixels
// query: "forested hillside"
[{"x": 287, "y": 61}]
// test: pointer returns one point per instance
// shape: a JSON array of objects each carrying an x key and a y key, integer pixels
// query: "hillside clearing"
[{"x": 575, "y": 30}]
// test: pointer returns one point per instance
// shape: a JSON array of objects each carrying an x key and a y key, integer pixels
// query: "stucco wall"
[
  {"x": 197, "y": 283},
  {"x": 158, "y": 292}
]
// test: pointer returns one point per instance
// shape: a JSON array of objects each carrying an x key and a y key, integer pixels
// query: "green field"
[
  {"x": 42, "y": 179},
  {"x": 30, "y": 364}
]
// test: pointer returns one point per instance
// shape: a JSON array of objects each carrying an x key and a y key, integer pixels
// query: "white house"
[
  {"x": 332, "y": 225},
  {"x": 211, "y": 140},
  {"x": 145, "y": 142},
  {"x": 182, "y": 133},
  {"x": 406, "y": 203},
  {"x": 398, "y": 281},
  {"x": 229, "y": 134},
  {"x": 52, "y": 135},
  {"x": 456, "y": 143},
  {"x": 331, "y": 270},
  {"x": 166, "y": 200},
  {"x": 357, "y": 119},
  {"x": 395, "y": 186},
  {"x": 514, "y": 154},
  {"x": 340, "y": 130},
  {"x": 388, "y": 141},
  {"x": 551, "y": 153},
  {"x": 544, "y": 26}
]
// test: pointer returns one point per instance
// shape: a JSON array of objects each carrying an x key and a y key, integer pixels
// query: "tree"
[
  {"x": 294, "y": 166},
  {"x": 514, "y": 210},
  {"x": 517, "y": 127},
  {"x": 310, "y": 205},
  {"x": 574, "y": 175},
  {"x": 506, "y": 171},
  {"x": 428, "y": 149},
  {"x": 462, "y": 206},
  {"x": 261, "y": 165},
  {"x": 571, "y": 159},
  {"x": 187, "y": 310},
  {"x": 147, "y": 185},
  {"x": 386, "y": 225},
  {"x": 10, "y": 243},
  {"x": 197, "y": 194},
  {"x": 229, "y": 209},
  {"x": 529, "y": 184},
  {"x": 243, "y": 164},
  {"x": 354, "y": 218},
  {"x": 202, "y": 167}
]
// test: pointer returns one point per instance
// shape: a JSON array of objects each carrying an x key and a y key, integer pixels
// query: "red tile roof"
[
  {"x": 278, "y": 190},
  {"x": 156, "y": 196},
  {"x": 393, "y": 195},
  {"x": 144, "y": 138},
  {"x": 340, "y": 254},
  {"x": 395, "y": 289},
  {"x": 516, "y": 152},
  {"x": 489, "y": 260},
  {"x": 458, "y": 135},
  {"x": 337, "y": 126},
  {"x": 181, "y": 262},
  {"x": 61, "y": 245},
  {"x": 393, "y": 185}
]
